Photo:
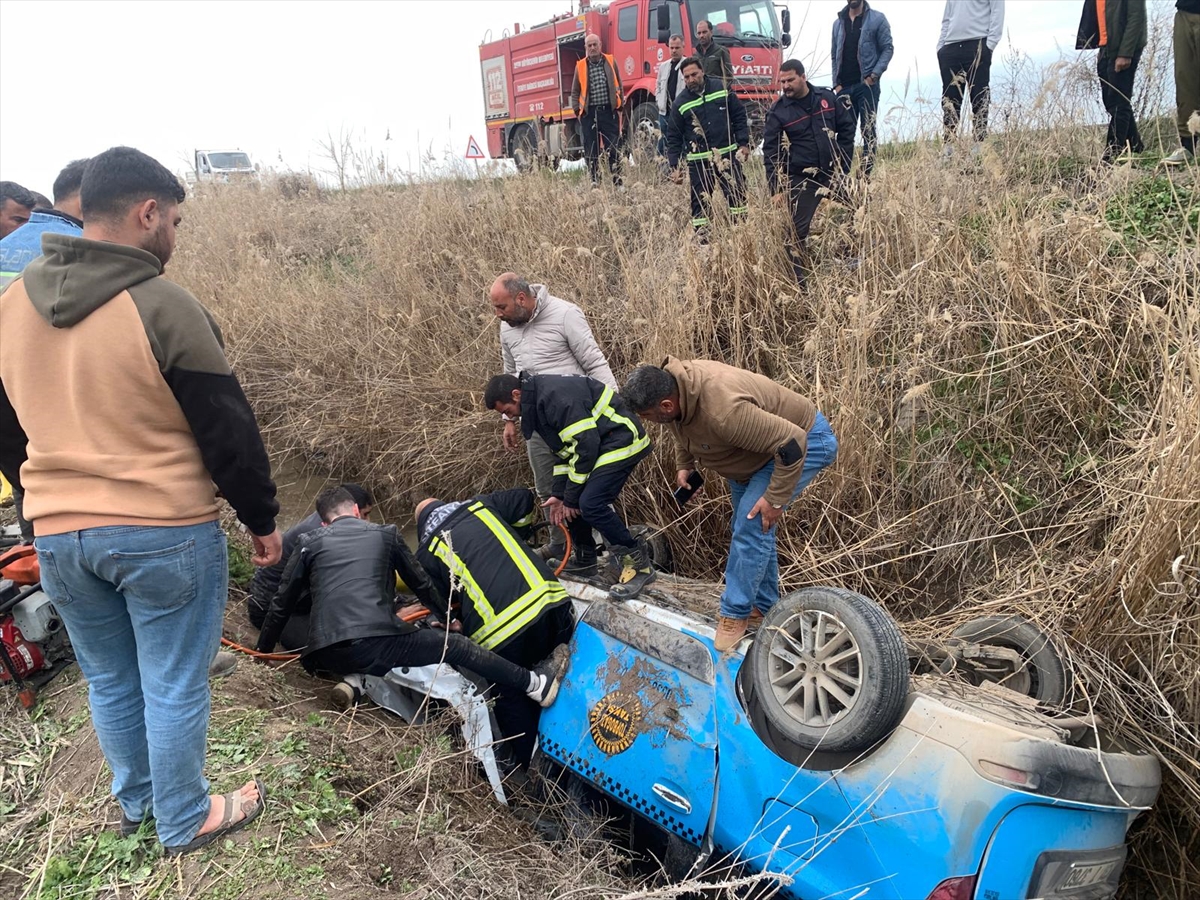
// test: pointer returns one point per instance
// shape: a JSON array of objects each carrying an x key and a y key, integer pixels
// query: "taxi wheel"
[
  {"x": 828, "y": 672},
  {"x": 1042, "y": 675}
]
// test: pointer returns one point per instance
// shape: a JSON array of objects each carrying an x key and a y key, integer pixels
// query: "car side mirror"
[
  {"x": 663, "y": 22},
  {"x": 785, "y": 19},
  {"x": 785, "y": 40}
]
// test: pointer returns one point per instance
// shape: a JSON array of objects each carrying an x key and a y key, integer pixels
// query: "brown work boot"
[
  {"x": 755, "y": 620},
  {"x": 729, "y": 632}
]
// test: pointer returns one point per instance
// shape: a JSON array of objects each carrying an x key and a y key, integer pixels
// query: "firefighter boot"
[
  {"x": 636, "y": 570},
  {"x": 582, "y": 563}
]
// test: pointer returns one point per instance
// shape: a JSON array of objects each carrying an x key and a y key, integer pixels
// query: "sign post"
[{"x": 474, "y": 152}]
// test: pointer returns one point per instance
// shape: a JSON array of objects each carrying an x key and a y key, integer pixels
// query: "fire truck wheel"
[
  {"x": 642, "y": 134},
  {"x": 522, "y": 147}
]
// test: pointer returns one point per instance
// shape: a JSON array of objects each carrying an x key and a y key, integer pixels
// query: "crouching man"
[
  {"x": 502, "y": 594},
  {"x": 768, "y": 442},
  {"x": 349, "y": 568},
  {"x": 598, "y": 442}
]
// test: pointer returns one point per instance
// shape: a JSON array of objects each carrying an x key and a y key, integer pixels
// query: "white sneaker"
[{"x": 1179, "y": 158}]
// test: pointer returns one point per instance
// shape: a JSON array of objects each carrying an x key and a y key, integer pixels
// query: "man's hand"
[
  {"x": 870, "y": 80},
  {"x": 682, "y": 476},
  {"x": 1122, "y": 63},
  {"x": 743, "y": 153},
  {"x": 770, "y": 515},
  {"x": 512, "y": 436},
  {"x": 570, "y": 512},
  {"x": 677, "y": 175},
  {"x": 267, "y": 550},
  {"x": 556, "y": 511},
  {"x": 837, "y": 89}
]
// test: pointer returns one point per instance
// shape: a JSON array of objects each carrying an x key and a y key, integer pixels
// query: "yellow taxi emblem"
[{"x": 614, "y": 722}]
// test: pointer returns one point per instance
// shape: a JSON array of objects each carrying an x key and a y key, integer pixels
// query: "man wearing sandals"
[{"x": 118, "y": 404}]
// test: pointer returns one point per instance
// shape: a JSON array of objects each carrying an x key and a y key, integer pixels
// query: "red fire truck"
[{"x": 527, "y": 75}]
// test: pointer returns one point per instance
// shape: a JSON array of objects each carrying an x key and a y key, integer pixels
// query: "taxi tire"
[
  {"x": 1048, "y": 675},
  {"x": 884, "y": 675}
]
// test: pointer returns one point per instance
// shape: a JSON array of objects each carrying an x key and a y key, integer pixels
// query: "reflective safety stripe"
[
  {"x": 700, "y": 221},
  {"x": 570, "y": 450},
  {"x": 707, "y": 154},
  {"x": 692, "y": 104},
  {"x": 737, "y": 209},
  {"x": 526, "y": 608},
  {"x": 526, "y": 520},
  {"x": 458, "y": 570}
]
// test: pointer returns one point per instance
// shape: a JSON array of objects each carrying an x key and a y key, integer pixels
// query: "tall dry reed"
[{"x": 1013, "y": 377}]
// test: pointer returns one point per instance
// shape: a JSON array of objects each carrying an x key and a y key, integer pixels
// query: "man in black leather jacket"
[{"x": 349, "y": 567}]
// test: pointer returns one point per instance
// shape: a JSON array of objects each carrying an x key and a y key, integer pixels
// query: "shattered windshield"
[
  {"x": 229, "y": 161},
  {"x": 735, "y": 22}
]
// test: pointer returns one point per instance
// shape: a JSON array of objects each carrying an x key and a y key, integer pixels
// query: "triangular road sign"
[{"x": 473, "y": 151}]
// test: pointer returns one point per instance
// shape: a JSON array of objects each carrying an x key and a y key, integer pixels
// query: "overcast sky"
[{"x": 273, "y": 78}]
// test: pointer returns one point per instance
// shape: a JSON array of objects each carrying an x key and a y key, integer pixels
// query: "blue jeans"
[
  {"x": 752, "y": 573},
  {"x": 865, "y": 100},
  {"x": 143, "y": 607}
]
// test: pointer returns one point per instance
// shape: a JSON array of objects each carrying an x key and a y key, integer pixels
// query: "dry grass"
[{"x": 1013, "y": 372}]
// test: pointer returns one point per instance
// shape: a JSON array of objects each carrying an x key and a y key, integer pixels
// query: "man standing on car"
[
  {"x": 596, "y": 99},
  {"x": 119, "y": 404},
  {"x": 768, "y": 441},
  {"x": 971, "y": 29},
  {"x": 708, "y": 128},
  {"x": 714, "y": 58},
  {"x": 820, "y": 132},
  {"x": 543, "y": 335},
  {"x": 862, "y": 49},
  {"x": 499, "y": 593},
  {"x": 1118, "y": 29},
  {"x": 668, "y": 86}
]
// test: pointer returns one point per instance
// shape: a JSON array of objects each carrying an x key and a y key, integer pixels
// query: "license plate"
[{"x": 1082, "y": 875}]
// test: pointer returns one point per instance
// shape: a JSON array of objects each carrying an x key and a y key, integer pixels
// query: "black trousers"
[
  {"x": 966, "y": 68},
  {"x": 804, "y": 196},
  {"x": 601, "y": 132},
  {"x": 704, "y": 176},
  {"x": 516, "y": 715},
  {"x": 595, "y": 509},
  {"x": 1116, "y": 89},
  {"x": 423, "y": 647}
]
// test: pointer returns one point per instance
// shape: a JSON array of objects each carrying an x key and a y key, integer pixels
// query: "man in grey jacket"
[
  {"x": 862, "y": 49},
  {"x": 668, "y": 85},
  {"x": 543, "y": 335},
  {"x": 971, "y": 29}
]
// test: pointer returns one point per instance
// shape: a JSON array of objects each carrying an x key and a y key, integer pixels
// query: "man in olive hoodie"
[
  {"x": 1118, "y": 29},
  {"x": 120, "y": 410},
  {"x": 768, "y": 441}
]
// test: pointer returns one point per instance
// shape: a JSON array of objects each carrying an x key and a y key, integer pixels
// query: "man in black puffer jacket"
[{"x": 820, "y": 130}]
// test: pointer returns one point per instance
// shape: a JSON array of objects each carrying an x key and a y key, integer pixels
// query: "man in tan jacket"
[{"x": 767, "y": 441}]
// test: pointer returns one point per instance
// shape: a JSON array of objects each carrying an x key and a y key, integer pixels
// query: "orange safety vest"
[{"x": 614, "y": 84}]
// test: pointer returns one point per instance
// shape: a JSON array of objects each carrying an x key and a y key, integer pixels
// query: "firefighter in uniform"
[
  {"x": 819, "y": 125},
  {"x": 596, "y": 100},
  {"x": 599, "y": 441},
  {"x": 708, "y": 126},
  {"x": 500, "y": 593}
]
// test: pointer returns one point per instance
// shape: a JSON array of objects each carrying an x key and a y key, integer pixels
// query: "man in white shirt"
[
  {"x": 668, "y": 86},
  {"x": 971, "y": 29}
]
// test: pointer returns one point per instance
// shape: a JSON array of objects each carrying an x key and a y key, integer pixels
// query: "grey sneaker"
[
  {"x": 1179, "y": 158},
  {"x": 345, "y": 695},
  {"x": 222, "y": 665}
]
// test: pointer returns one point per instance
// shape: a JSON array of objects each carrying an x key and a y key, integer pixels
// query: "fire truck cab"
[{"x": 527, "y": 75}]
